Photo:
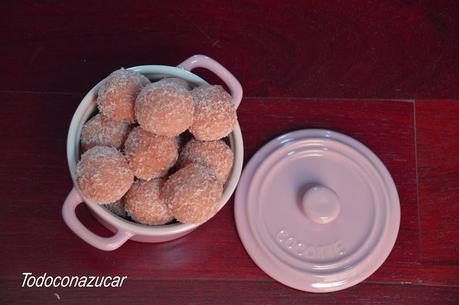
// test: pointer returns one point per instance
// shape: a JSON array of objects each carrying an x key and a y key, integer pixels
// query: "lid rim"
[{"x": 314, "y": 282}]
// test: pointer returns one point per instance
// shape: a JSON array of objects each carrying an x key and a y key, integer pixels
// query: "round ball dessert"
[
  {"x": 193, "y": 193},
  {"x": 214, "y": 154},
  {"x": 117, "y": 208},
  {"x": 102, "y": 131},
  {"x": 144, "y": 205},
  {"x": 164, "y": 108},
  {"x": 150, "y": 155},
  {"x": 103, "y": 175},
  {"x": 214, "y": 113},
  {"x": 176, "y": 82},
  {"x": 116, "y": 96}
]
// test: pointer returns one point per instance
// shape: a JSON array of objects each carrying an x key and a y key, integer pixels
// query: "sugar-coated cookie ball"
[
  {"x": 144, "y": 205},
  {"x": 150, "y": 155},
  {"x": 193, "y": 193},
  {"x": 214, "y": 113},
  {"x": 216, "y": 155},
  {"x": 117, "y": 208},
  {"x": 165, "y": 109},
  {"x": 103, "y": 175},
  {"x": 116, "y": 96},
  {"x": 102, "y": 131},
  {"x": 177, "y": 82}
]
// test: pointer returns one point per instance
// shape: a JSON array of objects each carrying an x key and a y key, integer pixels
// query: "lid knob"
[{"x": 320, "y": 204}]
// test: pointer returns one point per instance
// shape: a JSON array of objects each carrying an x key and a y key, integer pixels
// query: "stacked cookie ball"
[{"x": 138, "y": 160}]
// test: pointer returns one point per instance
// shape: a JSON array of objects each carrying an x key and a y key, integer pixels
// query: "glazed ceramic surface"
[
  {"x": 317, "y": 210},
  {"x": 124, "y": 229}
]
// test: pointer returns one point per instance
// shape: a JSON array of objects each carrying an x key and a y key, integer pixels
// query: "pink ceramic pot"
[{"x": 123, "y": 229}]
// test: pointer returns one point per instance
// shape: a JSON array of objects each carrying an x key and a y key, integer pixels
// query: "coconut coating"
[
  {"x": 116, "y": 96},
  {"x": 214, "y": 113},
  {"x": 216, "y": 155},
  {"x": 103, "y": 175},
  {"x": 193, "y": 193},
  {"x": 176, "y": 81},
  {"x": 144, "y": 205},
  {"x": 149, "y": 155},
  {"x": 117, "y": 208},
  {"x": 102, "y": 131},
  {"x": 165, "y": 109}
]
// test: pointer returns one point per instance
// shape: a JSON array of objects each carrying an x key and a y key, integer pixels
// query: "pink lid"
[{"x": 317, "y": 210}]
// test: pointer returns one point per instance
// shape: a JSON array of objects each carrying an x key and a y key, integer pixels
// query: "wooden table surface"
[{"x": 383, "y": 72}]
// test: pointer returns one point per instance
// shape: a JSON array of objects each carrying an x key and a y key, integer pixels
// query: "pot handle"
[
  {"x": 103, "y": 243},
  {"x": 202, "y": 61}
]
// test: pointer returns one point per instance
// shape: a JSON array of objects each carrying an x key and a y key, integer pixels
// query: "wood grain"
[
  {"x": 438, "y": 166},
  {"x": 35, "y": 181},
  {"x": 353, "y": 49},
  {"x": 228, "y": 293}
]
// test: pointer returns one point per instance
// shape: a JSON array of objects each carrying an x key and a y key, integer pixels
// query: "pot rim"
[{"x": 85, "y": 109}]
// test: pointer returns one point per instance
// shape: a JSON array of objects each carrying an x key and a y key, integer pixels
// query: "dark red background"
[{"x": 384, "y": 72}]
